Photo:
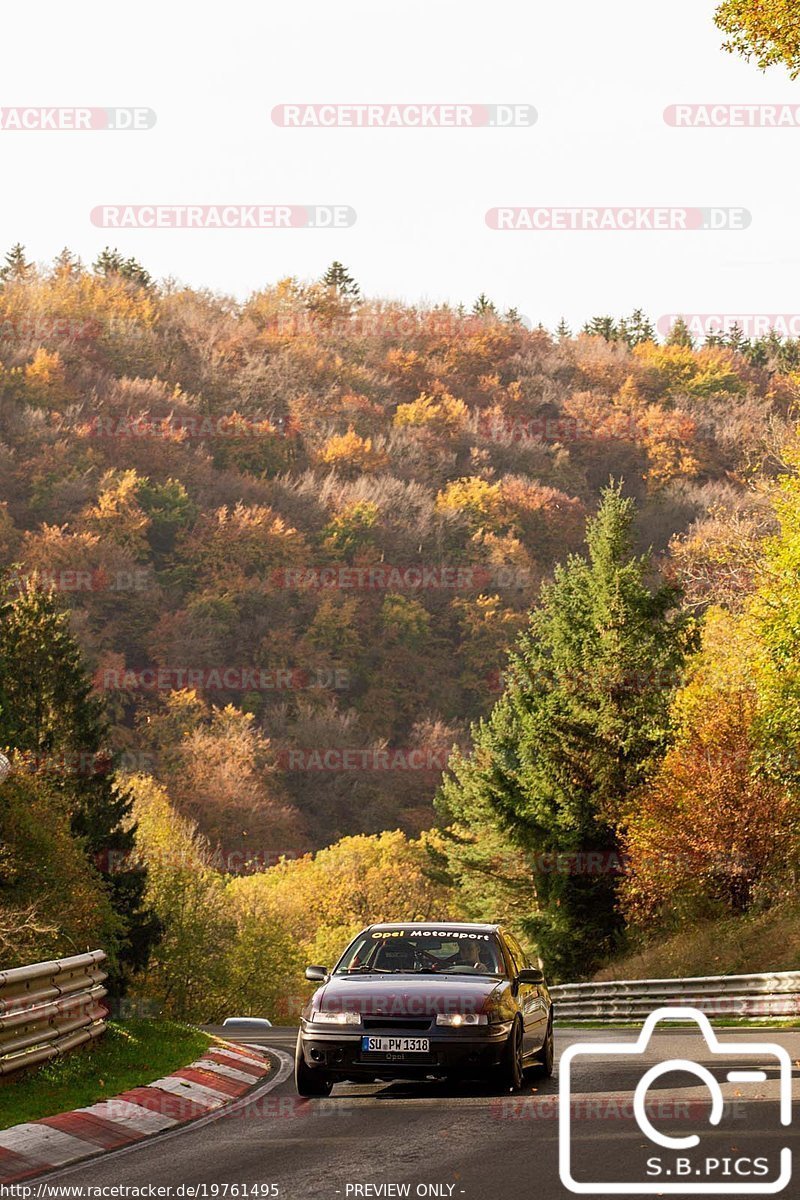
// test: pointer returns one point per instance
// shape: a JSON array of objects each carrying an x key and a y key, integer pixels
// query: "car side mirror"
[
  {"x": 530, "y": 975},
  {"x": 317, "y": 974}
]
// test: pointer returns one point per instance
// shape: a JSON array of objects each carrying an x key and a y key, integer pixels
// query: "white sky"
[{"x": 600, "y": 76}]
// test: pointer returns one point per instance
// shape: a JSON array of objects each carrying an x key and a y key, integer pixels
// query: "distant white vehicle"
[{"x": 246, "y": 1022}]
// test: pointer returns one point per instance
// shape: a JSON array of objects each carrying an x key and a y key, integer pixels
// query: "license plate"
[{"x": 395, "y": 1045}]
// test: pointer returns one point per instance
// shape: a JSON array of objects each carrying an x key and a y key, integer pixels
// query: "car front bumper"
[{"x": 451, "y": 1051}]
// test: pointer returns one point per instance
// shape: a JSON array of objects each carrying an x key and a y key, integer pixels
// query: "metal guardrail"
[
  {"x": 756, "y": 996},
  {"x": 49, "y": 1008}
]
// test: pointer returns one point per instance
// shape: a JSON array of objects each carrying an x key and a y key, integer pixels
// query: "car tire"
[
  {"x": 309, "y": 1081},
  {"x": 544, "y": 1058},
  {"x": 509, "y": 1073}
]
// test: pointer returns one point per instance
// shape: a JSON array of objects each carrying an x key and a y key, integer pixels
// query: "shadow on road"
[{"x": 439, "y": 1089}]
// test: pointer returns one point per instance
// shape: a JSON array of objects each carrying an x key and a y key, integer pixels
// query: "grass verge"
[
  {"x": 130, "y": 1054},
  {"x": 752, "y": 944}
]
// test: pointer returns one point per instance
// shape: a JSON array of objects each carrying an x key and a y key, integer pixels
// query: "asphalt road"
[{"x": 428, "y": 1139}]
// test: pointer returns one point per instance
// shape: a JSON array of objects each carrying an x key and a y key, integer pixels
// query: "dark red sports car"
[{"x": 418, "y": 999}]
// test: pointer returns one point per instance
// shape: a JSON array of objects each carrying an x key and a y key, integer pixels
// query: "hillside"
[
  {"x": 332, "y": 514},
  {"x": 761, "y": 942}
]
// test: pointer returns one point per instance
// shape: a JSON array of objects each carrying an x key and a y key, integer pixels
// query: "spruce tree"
[
  {"x": 736, "y": 340},
  {"x": 111, "y": 262},
  {"x": 16, "y": 265},
  {"x": 584, "y": 715},
  {"x": 636, "y": 329},
  {"x": 337, "y": 279},
  {"x": 679, "y": 335},
  {"x": 50, "y": 717},
  {"x": 605, "y": 327},
  {"x": 483, "y": 307},
  {"x": 67, "y": 265}
]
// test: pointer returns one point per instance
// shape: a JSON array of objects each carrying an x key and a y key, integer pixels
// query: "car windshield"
[{"x": 422, "y": 951}]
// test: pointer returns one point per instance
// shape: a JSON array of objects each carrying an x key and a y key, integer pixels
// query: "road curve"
[{"x": 429, "y": 1139}]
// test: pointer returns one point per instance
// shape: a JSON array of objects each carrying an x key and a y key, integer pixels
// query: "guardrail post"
[
  {"x": 775, "y": 994},
  {"x": 49, "y": 1008}
]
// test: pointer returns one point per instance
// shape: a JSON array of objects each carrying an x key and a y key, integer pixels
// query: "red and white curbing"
[{"x": 221, "y": 1076}]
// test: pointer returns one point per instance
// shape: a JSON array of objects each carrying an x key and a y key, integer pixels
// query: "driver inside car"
[{"x": 470, "y": 956}]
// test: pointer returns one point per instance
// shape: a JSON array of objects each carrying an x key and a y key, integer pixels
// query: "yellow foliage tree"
[
  {"x": 246, "y": 540},
  {"x": 351, "y": 454},
  {"x": 325, "y": 898},
  {"x": 217, "y": 954},
  {"x": 45, "y": 377},
  {"x": 480, "y": 500},
  {"x": 437, "y": 412},
  {"x": 117, "y": 515}
]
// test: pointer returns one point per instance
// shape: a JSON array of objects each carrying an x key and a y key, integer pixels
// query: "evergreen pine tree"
[
  {"x": 563, "y": 331},
  {"x": 16, "y": 265},
  {"x": 483, "y": 307},
  {"x": 637, "y": 328},
  {"x": 111, "y": 262},
  {"x": 604, "y": 327},
  {"x": 50, "y": 716},
  {"x": 790, "y": 355},
  {"x": 736, "y": 340},
  {"x": 759, "y": 353},
  {"x": 338, "y": 280},
  {"x": 679, "y": 335},
  {"x": 583, "y": 716},
  {"x": 67, "y": 265}
]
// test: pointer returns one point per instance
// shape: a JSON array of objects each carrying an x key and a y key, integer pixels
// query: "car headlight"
[
  {"x": 458, "y": 1019},
  {"x": 318, "y": 1017}
]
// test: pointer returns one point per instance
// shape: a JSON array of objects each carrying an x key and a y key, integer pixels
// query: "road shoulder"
[{"x": 224, "y": 1074}]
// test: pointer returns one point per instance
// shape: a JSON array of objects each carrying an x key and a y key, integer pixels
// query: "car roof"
[{"x": 481, "y": 927}]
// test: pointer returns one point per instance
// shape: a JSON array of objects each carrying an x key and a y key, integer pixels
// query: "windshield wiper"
[
  {"x": 363, "y": 967},
  {"x": 410, "y": 970}
]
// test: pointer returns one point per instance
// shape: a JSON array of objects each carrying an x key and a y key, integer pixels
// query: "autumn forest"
[{"x": 297, "y": 554}]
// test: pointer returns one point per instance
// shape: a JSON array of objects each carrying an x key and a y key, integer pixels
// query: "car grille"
[{"x": 396, "y": 1023}]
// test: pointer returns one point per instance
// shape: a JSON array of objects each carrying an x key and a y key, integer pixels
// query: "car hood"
[{"x": 406, "y": 995}]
